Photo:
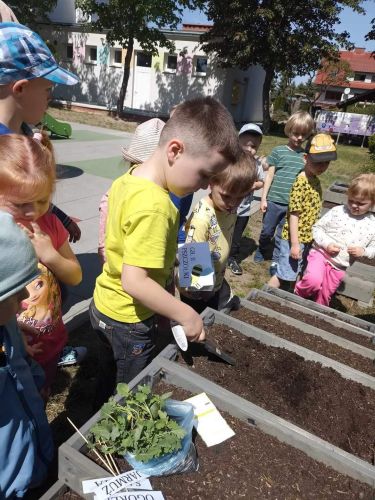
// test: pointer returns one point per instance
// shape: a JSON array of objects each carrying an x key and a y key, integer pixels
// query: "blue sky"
[{"x": 357, "y": 25}]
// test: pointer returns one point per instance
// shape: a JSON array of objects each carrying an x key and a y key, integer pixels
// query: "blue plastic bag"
[{"x": 183, "y": 460}]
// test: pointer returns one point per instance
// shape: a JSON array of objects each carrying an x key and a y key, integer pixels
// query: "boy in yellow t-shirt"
[
  {"x": 213, "y": 220},
  {"x": 197, "y": 142}
]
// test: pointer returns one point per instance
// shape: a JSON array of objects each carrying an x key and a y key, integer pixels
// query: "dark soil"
[
  {"x": 315, "y": 398},
  {"x": 313, "y": 342},
  {"x": 317, "y": 322},
  {"x": 328, "y": 204},
  {"x": 252, "y": 465},
  {"x": 366, "y": 260}
]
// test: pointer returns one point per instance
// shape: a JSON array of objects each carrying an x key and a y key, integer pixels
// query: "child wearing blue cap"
[
  {"x": 28, "y": 72},
  {"x": 250, "y": 137}
]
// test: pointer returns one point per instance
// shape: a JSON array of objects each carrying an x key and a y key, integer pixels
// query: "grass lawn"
[
  {"x": 98, "y": 119},
  {"x": 351, "y": 160}
]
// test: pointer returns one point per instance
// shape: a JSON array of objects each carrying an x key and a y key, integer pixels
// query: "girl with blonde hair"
[{"x": 27, "y": 181}]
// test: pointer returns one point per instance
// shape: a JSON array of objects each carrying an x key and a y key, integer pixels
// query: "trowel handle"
[{"x": 180, "y": 337}]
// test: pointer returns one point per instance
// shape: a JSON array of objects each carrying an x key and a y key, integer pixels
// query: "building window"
[
  {"x": 170, "y": 63},
  {"x": 201, "y": 65},
  {"x": 69, "y": 51},
  {"x": 144, "y": 59},
  {"x": 333, "y": 95},
  {"x": 116, "y": 57},
  {"x": 91, "y": 54},
  {"x": 360, "y": 77}
]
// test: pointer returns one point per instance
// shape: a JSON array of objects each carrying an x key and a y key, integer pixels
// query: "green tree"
[
  {"x": 279, "y": 35},
  {"x": 30, "y": 12},
  {"x": 125, "y": 21},
  {"x": 371, "y": 34}
]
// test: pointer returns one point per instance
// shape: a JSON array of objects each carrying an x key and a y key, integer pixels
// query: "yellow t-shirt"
[
  {"x": 141, "y": 231},
  {"x": 217, "y": 229},
  {"x": 306, "y": 199}
]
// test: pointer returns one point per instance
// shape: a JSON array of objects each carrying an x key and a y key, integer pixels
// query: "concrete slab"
[
  {"x": 83, "y": 208},
  {"x": 81, "y": 187},
  {"x": 89, "y": 240}
]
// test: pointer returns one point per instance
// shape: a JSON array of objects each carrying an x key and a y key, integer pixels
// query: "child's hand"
[
  {"x": 356, "y": 251},
  {"x": 295, "y": 251},
  {"x": 29, "y": 331},
  {"x": 333, "y": 249},
  {"x": 74, "y": 231},
  {"x": 41, "y": 242},
  {"x": 263, "y": 205},
  {"x": 193, "y": 327}
]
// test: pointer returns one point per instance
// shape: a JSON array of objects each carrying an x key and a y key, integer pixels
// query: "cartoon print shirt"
[
  {"x": 41, "y": 311},
  {"x": 217, "y": 229},
  {"x": 306, "y": 199}
]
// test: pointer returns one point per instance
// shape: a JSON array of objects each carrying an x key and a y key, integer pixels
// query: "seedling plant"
[{"x": 137, "y": 424}]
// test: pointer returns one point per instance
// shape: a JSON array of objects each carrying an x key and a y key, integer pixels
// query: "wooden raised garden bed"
[
  {"x": 274, "y": 318},
  {"x": 312, "y": 309},
  {"x": 253, "y": 464}
]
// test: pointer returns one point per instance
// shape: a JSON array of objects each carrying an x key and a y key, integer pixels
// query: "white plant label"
[
  {"x": 139, "y": 495},
  {"x": 118, "y": 483},
  {"x": 210, "y": 425},
  {"x": 90, "y": 485}
]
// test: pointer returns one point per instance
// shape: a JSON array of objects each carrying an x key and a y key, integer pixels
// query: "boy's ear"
[
  {"x": 175, "y": 148},
  {"x": 19, "y": 86},
  {"x": 304, "y": 158}
]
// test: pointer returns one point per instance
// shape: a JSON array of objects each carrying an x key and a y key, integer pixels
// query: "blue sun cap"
[{"x": 24, "y": 55}]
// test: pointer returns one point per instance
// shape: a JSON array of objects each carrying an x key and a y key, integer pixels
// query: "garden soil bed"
[
  {"x": 366, "y": 260},
  {"x": 313, "y": 342},
  {"x": 329, "y": 204},
  {"x": 317, "y": 322},
  {"x": 313, "y": 397},
  {"x": 252, "y": 465}
]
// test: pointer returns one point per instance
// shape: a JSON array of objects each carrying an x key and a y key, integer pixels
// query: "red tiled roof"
[
  {"x": 360, "y": 61},
  {"x": 196, "y": 27}
]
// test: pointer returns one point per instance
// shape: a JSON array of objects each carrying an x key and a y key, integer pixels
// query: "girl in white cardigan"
[{"x": 343, "y": 234}]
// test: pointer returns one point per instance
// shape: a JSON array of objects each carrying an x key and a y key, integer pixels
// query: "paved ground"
[{"x": 87, "y": 165}]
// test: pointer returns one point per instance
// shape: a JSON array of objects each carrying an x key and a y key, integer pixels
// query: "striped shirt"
[{"x": 288, "y": 164}]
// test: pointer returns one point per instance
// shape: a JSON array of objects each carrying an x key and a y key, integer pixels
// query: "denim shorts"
[{"x": 288, "y": 269}]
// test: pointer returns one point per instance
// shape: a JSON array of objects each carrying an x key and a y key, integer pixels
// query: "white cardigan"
[{"x": 339, "y": 226}]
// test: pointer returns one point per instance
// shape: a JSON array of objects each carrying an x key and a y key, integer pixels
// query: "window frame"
[
  {"x": 70, "y": 47},
  {"x": 167, "y": 55},
  {"x": 143, "y": 54},
  {"x": 195, "y": 61},
  {"x": 88, "y": 59},
  {"x": 114, "y": 51}
]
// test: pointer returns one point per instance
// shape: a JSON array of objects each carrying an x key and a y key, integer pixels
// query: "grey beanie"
[{"x": 18, "y": 261}]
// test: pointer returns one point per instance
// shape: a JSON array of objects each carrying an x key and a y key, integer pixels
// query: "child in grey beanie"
[{"x": 25, "y": 437}]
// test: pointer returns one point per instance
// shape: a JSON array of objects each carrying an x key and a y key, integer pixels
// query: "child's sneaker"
[
  {"x": 72, "y": 355},
  {"x": 234, "y": 266},
  {"x": 273, "y": 269}
]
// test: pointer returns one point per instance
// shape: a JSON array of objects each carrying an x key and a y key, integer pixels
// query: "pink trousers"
[{"x": 320, "y": 280}]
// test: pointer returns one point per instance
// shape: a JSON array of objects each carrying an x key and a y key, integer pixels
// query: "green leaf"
[{"x": 123, "y": 390}]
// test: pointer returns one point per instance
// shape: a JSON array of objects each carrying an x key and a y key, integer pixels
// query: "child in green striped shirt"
[{"x": 285, "y": 163}]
